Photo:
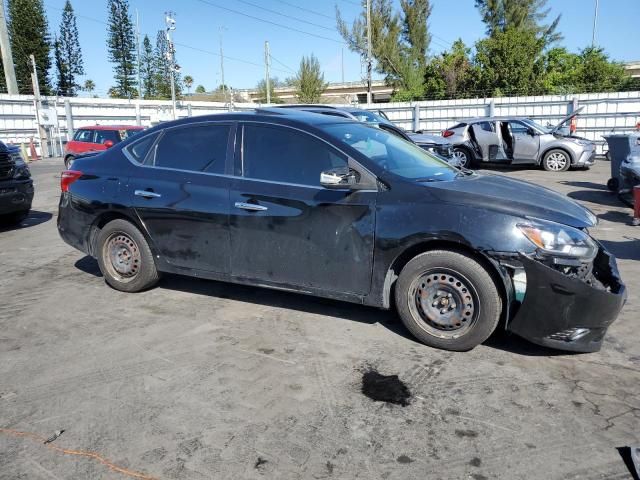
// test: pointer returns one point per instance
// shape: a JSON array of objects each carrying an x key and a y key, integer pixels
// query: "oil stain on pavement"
[{"x": 385, "y": 388}]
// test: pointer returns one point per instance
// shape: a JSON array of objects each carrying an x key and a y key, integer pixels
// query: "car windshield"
[
  {"x": 366, "y": 117},
  {"x": 391, "y": 153},
  {"x": 536, "y": 126}
]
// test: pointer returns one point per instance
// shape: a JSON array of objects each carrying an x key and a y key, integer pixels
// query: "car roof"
[
  {"x": 491, "y": 119},
  {"x": 110, "y": 127}
]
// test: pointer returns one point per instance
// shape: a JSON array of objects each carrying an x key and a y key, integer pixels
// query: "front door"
[
  {"x": 285, "y": 228},
  {"x": 526, "y": 143},
  {"x": 181, "y": 195}
]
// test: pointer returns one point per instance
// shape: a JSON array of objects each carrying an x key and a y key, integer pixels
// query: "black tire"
[
  {"x": 613, "y": 184},
  {"x": 124, "y": 257},
  {"x": 471, "y": 295},
  {"x": 68, "y": 161},
  {"x": 556, "y": 160},
  {"x": 14, "y": 218},
  {"x": 464, "y": 153}
]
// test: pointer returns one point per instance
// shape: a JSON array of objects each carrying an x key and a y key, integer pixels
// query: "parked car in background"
[
  {"x": 331, "y": 207},
  {"x": 97, "y": 138},
  {"x": 431, "y": 143},
  {"x": 519, "y": 141},
  {"x": 16, "y": 186}
]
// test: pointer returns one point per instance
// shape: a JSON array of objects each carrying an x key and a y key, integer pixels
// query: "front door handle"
[
  {"x": 147, "y": 194},
  {"x": 252, "y": 207}
]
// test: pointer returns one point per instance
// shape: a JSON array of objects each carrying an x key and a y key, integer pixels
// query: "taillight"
[
  {"x": 67, "y": 178},
  {"x": 448, "y": 133}
]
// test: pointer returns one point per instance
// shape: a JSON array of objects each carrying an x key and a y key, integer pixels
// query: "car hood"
[
  {"x": 426, "y": 138},
  {"x": 514, "y": 197}
]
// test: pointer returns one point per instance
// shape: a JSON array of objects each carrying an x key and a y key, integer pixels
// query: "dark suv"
[
  {"x": 331, "y": 207},
  {"x": 16, "y": 186}
]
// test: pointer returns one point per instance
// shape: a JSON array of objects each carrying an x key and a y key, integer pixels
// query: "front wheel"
[
  {"x": 556, "y": 161},
  {"x": 448, "y": 300},
  {"x": 124, "y": 257},
  {"x": 462, "y": 157}
]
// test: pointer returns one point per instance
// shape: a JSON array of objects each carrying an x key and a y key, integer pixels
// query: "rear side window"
[
  {"x": 285, "y": 155},
  {"x": 104, "y": 135},
  {"x": 486, "y": 126},
  {"x": 84, "y": 136},
  {"x": 200, "y": 148},
  {"x": 140, "y": 149}
]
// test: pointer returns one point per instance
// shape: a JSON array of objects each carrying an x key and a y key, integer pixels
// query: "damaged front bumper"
[{"x": 567, "y": 312}]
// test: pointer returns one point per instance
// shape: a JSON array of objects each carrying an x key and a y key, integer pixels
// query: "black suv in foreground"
[
  {"x": 16, "y": 186},
  {"x": 335, "y": 208}
]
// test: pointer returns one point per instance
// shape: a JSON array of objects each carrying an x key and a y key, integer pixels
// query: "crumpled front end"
[{"x": 568, "y": 307}]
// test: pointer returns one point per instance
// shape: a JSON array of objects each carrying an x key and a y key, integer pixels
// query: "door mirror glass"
[
  {"x": 108, "y": 143},
  {"x": 338, "y": 178}
]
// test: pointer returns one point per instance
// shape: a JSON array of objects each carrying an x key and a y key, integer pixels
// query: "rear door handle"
[
  {"x": 147, "y": 194},
  {"x": 252, "y": 207}
]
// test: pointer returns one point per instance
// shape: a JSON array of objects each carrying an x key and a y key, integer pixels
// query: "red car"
[{"x": 96, "y": 139}]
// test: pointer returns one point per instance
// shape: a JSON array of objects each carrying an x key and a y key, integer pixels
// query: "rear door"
[
  {"x": 181, "y": 194},
  {"x": 525, "y": 145},
  {"x": 285, "y": 228},
  {"x": 487, "y": 140}
]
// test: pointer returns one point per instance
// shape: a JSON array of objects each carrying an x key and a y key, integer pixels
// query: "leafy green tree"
[
  {"x": 510, "y": 63},
  {"x": 29, "y": 33},
  {"x": 188, "y": 82},
  {"x": 200, "y": 89},
  {"x": 499, "y": 15},
  {"x": 262, "y": 90},
  {"x": 597, "y": 73},
  {"x": 122, "y": 48},
  {"x": 89, "y": 86},
  {"x": 451, "y": 74},
  {"x": 68, "y": 54},
  {"x": 309, "y": 82},
  {"x": 148, "y": 74},
  {"x": 399, "y": 43}
]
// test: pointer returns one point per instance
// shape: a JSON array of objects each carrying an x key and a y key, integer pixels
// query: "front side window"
[
  {"x": 286, "y": 155},
  {"x": 199, "y": 148},
  {"x": 517, "y": 127},
  {"x": 391, "y": 153},
  {"x": 83, "y": 135}
]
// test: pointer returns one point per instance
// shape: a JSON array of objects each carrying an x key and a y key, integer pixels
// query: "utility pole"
[
  {"x": 595, "y": 25},
  {"x": 171, "y": 26},
  {"x": 138, "y": 56},
  {"x": 42, "y": 133},
  {"x": 7, "y": 57},
  {"x": 223, "y": 85},
  {"x": 342, "y": 63},
  {"x": 368, "y": 52},
  {"x": 267, "y": 61}
]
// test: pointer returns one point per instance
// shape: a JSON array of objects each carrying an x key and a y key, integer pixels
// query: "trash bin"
[{"x": 622, "y": 148}]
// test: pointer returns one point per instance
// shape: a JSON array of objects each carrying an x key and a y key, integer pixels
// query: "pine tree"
[
  {"x": 122, "y": 48},
  {"x": 29, "y": 34},
  {"x": 148, "y": 69},
  {"x": 163, "y": 54},
  {"x": 68, "y": 55},
  {"x": 309, "y": 81}
]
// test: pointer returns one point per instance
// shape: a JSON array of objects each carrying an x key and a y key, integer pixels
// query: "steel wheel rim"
[
  {"x": 557, "y": 161},
  {"x": 121, "y": 256},
  {"x": 461, "y": 158},
  {"x": 445, "y": 302}
]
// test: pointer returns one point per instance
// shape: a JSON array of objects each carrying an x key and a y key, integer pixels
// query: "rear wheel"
[
  {"x": 68, "y": 161},
  {"x": 462, "y": 157},
  {"x": 125, "y": 258},
  {"x": 556, "y": 161},
  {"x": 448, "y": 300}
]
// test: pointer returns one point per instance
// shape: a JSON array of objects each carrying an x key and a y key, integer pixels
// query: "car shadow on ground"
[
  {"x": 600, "y": 197},
  {"x": 388, "y": 319},
  {"x": 626, "y": 250},
  {"x": 591, "y": 185},
  {"x": 35, "y": 218}
]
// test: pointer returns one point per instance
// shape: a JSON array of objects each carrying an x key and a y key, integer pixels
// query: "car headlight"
[
  {"x": 17, "y": 160},
  {"x": 556, "y": 239}
]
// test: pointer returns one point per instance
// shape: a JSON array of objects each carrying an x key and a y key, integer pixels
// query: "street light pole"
[
  {"x": 171, "y": 25},
  {"x": 368, "y": 52},
  {"x": 595, "y": 25}
]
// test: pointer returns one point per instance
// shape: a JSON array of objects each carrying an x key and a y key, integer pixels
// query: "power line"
[
  {"x": 331, "y": 29},
  {"x": 306, "y": 9},
  {"x": 269, "y": 22},
  {"x": 278, "y": 61}
]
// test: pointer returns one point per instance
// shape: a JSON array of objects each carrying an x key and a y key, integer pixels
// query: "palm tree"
[
  {"x": 188, "y": 81},
  {"x": 89, "y": 86}
]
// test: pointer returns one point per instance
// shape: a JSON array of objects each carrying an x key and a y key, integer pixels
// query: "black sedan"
[{"x": 335, "y": 208}]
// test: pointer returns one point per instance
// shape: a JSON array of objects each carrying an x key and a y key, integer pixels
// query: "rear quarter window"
[
  {"x": 139, "y": 150},
  {"x": 458, "y": 125}
]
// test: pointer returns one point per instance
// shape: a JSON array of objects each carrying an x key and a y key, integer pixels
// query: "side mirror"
[
  {"x": 338, "y": 178},
  {"x": 532, "y": 132},
  {"x": 108, "y": 143}
]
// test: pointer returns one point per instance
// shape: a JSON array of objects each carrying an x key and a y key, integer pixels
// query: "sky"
[{"x": 245, "y": 25}]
